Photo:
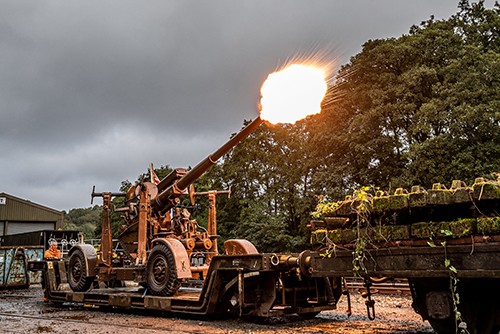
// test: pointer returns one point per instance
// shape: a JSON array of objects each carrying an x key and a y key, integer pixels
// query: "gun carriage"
[{"x": 168, "y": 254}]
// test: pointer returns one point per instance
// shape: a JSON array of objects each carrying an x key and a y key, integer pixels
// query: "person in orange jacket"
[{"x": 53, "y": 252}]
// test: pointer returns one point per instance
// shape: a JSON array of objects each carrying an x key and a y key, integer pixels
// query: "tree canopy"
[
  {"x": 84, "y": 220},
  {"x": 421, "y": 108},
  {"x": 418, "y": 109}
]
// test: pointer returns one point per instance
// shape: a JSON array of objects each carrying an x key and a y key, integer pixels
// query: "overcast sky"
[{"x": 91, "y": 92}]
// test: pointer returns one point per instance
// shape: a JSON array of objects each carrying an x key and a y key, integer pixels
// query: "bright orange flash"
[{"x": 292, "y": 93}]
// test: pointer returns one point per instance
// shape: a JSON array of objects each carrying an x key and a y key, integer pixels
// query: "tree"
[
  {"x": 418, "y": 109},
  {"x": 269, "y": 174},
  {"x": 83, "y": 219}
]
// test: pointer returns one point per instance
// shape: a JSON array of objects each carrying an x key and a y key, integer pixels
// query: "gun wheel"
[
  {"x": 161, "y": 273},
  {"x": 77, "y": 273}
]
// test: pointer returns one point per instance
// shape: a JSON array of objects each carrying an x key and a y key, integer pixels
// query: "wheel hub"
[{"x": 160, "y": 270}]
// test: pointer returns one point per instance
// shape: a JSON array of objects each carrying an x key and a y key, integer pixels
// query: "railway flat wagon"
[{"x": 246, "y": 285}]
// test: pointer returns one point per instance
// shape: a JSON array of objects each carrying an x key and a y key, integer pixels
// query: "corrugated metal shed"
[{"x": 19, "y": 215}]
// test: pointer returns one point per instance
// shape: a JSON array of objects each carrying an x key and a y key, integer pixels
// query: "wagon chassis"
[
  {"x": 265, "y": 285},
  {"x": 258, "y": 285}
]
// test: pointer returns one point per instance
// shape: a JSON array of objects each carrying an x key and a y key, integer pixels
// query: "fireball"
[{"x": 292, "y": 93}]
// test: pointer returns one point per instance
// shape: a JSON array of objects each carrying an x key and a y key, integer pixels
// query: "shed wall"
[{"x": 18, "y": 216}]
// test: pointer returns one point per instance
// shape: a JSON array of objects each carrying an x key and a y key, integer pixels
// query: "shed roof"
[{"x": 17, "y": 209}]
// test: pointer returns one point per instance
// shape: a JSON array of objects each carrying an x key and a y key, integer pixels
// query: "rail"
[{"x": 394, "y": 287}]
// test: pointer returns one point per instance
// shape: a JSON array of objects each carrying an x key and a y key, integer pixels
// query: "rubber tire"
[
  {"x": 161, "y": 272},
  {"x": 77, "y": 272}
]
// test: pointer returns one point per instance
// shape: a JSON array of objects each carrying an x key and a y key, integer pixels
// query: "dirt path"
[{"x": 23, "y": 311}]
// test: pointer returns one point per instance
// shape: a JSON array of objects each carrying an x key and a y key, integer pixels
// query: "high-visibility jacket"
[{"x": 51, "y": 254}]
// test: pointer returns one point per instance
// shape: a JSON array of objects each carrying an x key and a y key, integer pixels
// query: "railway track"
[
  {"x": 87, "y": 322},
  {"x": 395, "y": 287},
  {"x": 18, "y": 296},
  {"x": 21, "y": 314}
]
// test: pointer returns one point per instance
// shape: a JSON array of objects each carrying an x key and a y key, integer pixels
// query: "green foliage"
[
  {"x": 267, "y": 232},
  {"x": 452, "y": 229},
  {"x": 324, "y": 208},
  {"x": 269, "y": 173},
  {"x": 84, "y": 220},
  {"x": 461, "y": 327},
  {"x": 363, "y": 200},
  {"x": 419, "y": 109},
  {"x": 488, "y": 225}
]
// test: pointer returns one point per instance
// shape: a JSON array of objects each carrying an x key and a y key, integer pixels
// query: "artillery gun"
[{"x": 161, "y": 244}]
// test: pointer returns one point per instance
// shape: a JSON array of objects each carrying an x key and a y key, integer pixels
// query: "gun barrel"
[
  {"x": 204, "y": 165},
  {"x": 209, "y": 161}
]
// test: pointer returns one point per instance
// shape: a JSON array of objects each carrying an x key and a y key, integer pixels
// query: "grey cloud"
[{"x": 93, "y": 91}]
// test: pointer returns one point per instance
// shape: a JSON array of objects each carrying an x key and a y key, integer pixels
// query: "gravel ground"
[{"x": 23, "y": 311}]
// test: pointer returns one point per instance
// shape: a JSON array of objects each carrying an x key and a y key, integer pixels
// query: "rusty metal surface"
[
  {"x": 155, "y": 303},
  {"x": 242, "y": 285},
  {"x": 153, "y": 213},
  {"x": 13, "y": 268},
  {"x": 34, "y": 254},
  {"x": 106, "y": 232},
  {"x": 208, "y": 162},
  {"x": 181, "y": 258},
  {"x": 120, "y": 300},
  {"x": 163, "y": 201},
  {"x": 239, "y": 247}
]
